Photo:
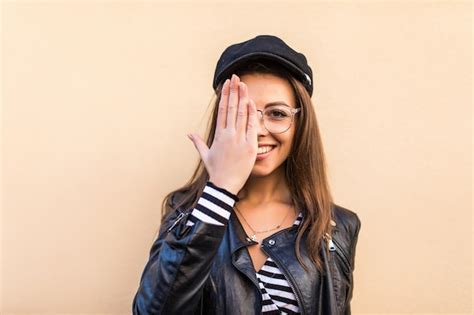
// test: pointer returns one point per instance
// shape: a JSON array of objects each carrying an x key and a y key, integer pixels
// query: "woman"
[{"x": 255, "y": 230}]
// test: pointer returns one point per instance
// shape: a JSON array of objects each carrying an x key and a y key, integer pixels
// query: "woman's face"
[{"x": 264, "y": 89}]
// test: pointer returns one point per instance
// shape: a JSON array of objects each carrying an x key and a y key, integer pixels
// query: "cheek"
[
  {"x": 289, "y": 142},
  {"x": 289, "y": 137},
  {"x": 286, "y": 143},
  {"x": 286, "y": 139}
]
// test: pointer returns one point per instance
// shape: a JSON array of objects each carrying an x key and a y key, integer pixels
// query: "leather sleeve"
[
  {"x": 355, "y": 235},
  {"x": 179, "y": 265}
]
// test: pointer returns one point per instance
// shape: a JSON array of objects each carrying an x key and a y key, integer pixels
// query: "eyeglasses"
[{"x": 278, "y": 118}]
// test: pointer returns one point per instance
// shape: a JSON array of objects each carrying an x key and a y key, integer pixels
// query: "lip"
[{"x": 264, "y": 155}]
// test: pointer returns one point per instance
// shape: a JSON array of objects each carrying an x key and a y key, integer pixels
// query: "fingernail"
[{"x": 190, "y": 136}]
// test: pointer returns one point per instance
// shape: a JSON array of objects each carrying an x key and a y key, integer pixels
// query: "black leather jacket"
[{"x": 206, "y": 269}]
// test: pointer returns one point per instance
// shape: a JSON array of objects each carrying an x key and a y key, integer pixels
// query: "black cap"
[{"x": 267, "y": 47}]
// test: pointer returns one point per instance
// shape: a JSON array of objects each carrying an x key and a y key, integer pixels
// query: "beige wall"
[{"x": 98, "y": 98}]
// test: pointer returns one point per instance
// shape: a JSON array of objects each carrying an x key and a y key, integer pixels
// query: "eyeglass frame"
[{"x": 293, "y": 111}]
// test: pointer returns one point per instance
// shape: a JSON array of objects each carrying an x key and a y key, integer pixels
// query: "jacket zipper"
[
  {"x": 341, "y": 254},
  {"x": 180, "y": 216}
]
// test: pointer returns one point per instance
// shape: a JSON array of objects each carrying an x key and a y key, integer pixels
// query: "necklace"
[{"x": 254, "y": 236}]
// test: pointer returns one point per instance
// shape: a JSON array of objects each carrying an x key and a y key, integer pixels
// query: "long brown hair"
[{"x": 305, "y": 167}]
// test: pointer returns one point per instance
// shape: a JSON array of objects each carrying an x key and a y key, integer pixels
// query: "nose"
[{"x": 261, "y": 126}]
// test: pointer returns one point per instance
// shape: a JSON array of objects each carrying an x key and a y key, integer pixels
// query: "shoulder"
[
  {"x": 347, "y": 221},
  {"x": 174, "y": 198},
  {"x": 346, "y": 231},
  {"x": 174, "y": 208}
]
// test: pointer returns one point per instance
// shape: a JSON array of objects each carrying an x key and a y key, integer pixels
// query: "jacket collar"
[{"x": 238, "y": 237}]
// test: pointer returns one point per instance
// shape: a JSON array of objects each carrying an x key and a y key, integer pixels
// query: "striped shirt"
[{"x": 214, "y": 207}]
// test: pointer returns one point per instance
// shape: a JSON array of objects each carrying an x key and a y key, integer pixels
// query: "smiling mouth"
[{"x": 266, "y": 150}]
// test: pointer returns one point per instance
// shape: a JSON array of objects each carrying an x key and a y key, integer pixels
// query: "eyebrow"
[{"x": 276, "y": 103}]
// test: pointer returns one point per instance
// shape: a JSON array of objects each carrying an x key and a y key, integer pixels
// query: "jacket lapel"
[{"x": 238, "y": 248}]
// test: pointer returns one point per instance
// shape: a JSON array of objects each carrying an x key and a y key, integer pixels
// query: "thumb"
[{"x": 199, "y": 144}]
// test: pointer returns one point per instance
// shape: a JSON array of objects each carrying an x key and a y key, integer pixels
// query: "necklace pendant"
[{"x": 254, "y": 238}]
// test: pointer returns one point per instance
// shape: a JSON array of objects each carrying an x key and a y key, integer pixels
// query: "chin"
[{"x": 261, "y": 170}]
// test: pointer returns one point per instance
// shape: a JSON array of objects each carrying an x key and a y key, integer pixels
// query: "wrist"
[{"x": 225, "y": 185}]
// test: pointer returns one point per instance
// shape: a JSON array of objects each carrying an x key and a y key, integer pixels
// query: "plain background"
[{"x": 97, "y": 98}]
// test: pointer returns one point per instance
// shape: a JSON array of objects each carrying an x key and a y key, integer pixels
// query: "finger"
[
  {"x": 252, "y": 124},
  {"x": 222, "y": 110},
  {"x": 233, "y": 102},
  {"x": 242, "y": 112},
  {"x": 200, "y": 145}
]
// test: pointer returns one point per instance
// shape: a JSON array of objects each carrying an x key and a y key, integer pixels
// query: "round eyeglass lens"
[{"x": 277, "y": 119}]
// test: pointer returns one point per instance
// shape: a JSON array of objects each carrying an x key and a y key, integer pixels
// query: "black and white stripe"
[{"x": 214, "y": 207}]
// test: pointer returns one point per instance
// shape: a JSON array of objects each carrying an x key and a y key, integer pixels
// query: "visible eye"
[{"x": 276, "y": 113}]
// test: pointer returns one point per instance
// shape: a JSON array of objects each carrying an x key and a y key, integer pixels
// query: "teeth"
[{"x": 262, "y": 150}]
